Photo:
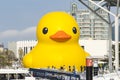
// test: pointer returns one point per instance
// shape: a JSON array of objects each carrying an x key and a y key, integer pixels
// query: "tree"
[
  {"x": 3, "y": 62},
  {"x": 6, "y": 58},
  {"x": 21, "y": 54},
  {"x": 113, "y": 50}
]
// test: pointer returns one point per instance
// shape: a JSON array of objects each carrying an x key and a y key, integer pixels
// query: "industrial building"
[
  {"x": 91, "y": 26},
  {"x": 94, "y": 34},
  {"x": 97, "y": 48},
  {"x": 22, "y": 46}
]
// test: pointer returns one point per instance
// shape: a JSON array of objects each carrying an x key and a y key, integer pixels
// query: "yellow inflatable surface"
[{"x": 58, "y": 34}]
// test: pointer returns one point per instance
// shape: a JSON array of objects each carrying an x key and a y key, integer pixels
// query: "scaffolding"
[{"x": 106, "y": 6}]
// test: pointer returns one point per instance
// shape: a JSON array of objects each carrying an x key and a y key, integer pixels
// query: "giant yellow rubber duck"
[{"x": 58, "y": 34}]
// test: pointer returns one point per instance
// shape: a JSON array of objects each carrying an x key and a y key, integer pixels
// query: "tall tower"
[{"x": 92, "y": 27}]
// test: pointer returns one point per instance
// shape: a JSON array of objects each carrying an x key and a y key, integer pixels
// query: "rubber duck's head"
[{"x": 58, "y": 27}]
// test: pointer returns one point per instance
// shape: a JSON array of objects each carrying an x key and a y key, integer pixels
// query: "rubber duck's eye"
[
  {"x": 74, "y": 30},
  {"x": 45, "y": 30}
]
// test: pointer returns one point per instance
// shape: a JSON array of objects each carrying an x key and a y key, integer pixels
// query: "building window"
[
  {"x": 30, "y": 48},
  {"x": 26, "y": 50}
]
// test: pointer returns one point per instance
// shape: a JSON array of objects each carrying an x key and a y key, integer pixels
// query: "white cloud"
[
  {"x": 29, "y": 30},
  {"x": 14, "y": 35},
  {"x": 8, "y": 33}
]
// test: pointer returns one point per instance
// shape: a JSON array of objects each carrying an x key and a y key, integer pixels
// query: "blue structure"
[{"x": 54, "y": 74}]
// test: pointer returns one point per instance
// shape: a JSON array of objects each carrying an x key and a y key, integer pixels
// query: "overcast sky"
[{"x": 18, "y": 18}]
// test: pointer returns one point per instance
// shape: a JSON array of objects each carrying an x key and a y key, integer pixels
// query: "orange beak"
[{"x": 60, "y": 36}]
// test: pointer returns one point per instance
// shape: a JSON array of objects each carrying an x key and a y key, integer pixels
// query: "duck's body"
[{"x": 57, "y": 43}]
